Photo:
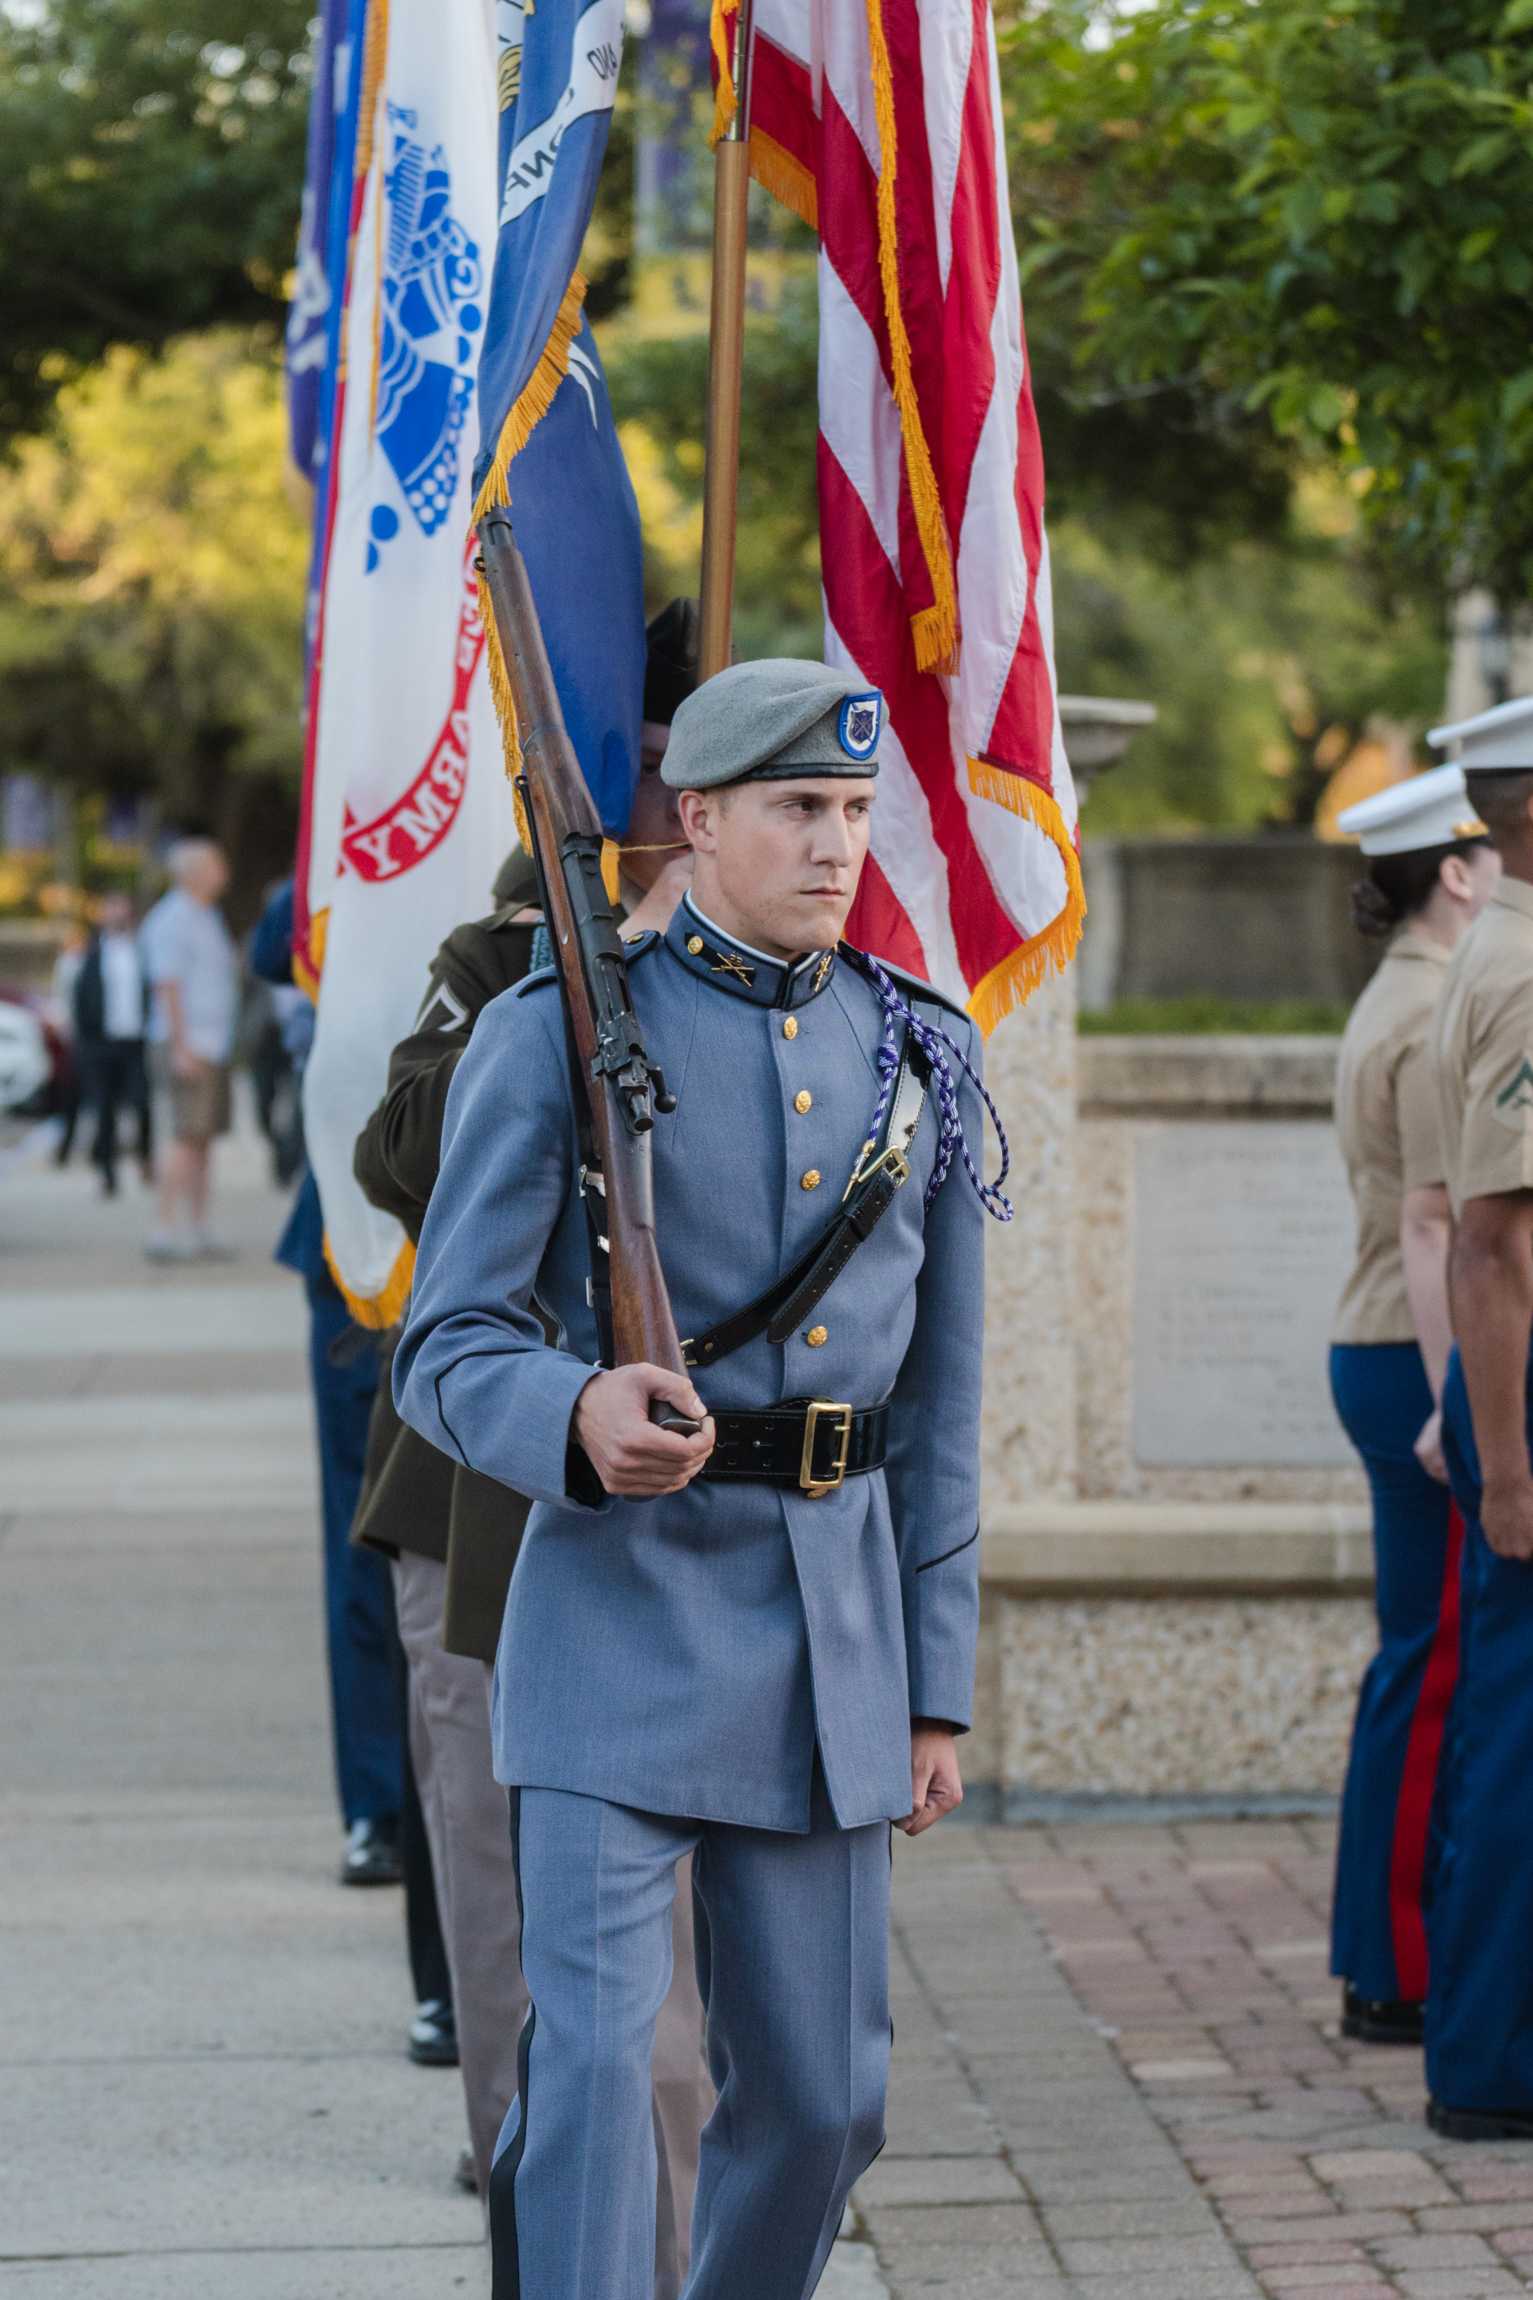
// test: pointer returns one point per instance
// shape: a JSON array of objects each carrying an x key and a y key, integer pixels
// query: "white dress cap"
[
  {"x": 1498, "y": 742},
  {"x": 1427, "y": 810}
]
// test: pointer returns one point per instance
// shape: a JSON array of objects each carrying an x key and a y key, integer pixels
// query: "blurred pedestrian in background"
[
  {"x": 1428, "y": 870},
  {"x": 111, "y": 1015},
  {"x": 194, "y": 974},
  {"x": 60, "y": 1012}
]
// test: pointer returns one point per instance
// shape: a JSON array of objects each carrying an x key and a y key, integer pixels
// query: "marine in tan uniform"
[
  {"x": 1427, "y": 872},
  {"x": 1479, "y": 2030}
]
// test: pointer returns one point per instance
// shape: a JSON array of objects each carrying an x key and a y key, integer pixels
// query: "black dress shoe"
[
  {"x": 1371, "y": 2022},
  {"x": 434, "y": 2034},
  {"x": 371, "y": 1856},
  {"x": 1480, "y": 2123}
]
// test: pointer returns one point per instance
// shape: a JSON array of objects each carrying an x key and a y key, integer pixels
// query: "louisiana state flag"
[{"x": 550, "y": 448}]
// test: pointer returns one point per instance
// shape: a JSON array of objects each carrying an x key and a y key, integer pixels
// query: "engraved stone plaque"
[{"x": 1242, "y": 1241}]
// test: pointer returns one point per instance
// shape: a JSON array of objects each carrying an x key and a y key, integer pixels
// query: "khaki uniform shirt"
[
  {"x": 1387, "y": 1117},
  {"x": 1484, "y": 1051}
]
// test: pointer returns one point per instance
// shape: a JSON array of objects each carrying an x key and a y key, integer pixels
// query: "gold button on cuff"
[
  {"x": 811, "y": 1180},
  {"x": 817, "y": 1337},
  {"x": 790, "y": 1027},
  {"x": 803, "y": 1100},
  {"x": 695, "y": 945}
]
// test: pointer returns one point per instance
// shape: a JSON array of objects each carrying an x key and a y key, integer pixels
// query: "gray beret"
[{"x": 772, "y": 721}]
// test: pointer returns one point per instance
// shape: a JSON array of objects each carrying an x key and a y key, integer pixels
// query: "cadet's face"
[{"x": 778, "y": 863}]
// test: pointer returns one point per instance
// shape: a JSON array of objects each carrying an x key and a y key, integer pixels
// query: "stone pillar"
[
  {"x": 1029, "y": 1438},
  {"x": 1029, "y": 1441}
]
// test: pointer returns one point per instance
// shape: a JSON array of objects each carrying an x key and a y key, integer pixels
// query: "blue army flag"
[
  {"x": 549, "y": 443},
  {"x": 313, "y": 321}
]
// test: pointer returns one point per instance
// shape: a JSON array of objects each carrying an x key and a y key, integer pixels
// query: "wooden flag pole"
[{"x": 726, "y": 344}]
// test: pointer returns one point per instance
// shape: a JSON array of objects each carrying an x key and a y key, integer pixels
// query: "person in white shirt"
[
  {"x": 110, "y": 1006},
  {"x": 194, "y": 974}
]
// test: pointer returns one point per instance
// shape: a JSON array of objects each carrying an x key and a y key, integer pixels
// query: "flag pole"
[{"x": 726, "y": 341}]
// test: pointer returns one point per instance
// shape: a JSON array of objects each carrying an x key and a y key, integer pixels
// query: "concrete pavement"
[{"x": 1114, "y": 2066}]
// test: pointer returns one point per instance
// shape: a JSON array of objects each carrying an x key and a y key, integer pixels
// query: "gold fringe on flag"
[
  {"x": 725, "y": 101},
  {"x": 534, "y": 399},
  {"x": 935, "y": 628},
  {"x": 375, "y": 56},
  {"x": 532, "y": 403},
  {"x": 309, "y": 965},
  {"x": 377, "y": 1312},
  {"x": 1012, "y": 983},
  {"x": 785, "y": 178}
]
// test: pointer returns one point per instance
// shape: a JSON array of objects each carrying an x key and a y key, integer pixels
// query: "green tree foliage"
[
  {"x": 1266, "y": 661},
  {"x": 1312, "y": 213},
  {"x": 151, "y": 586},
  {"x": 153, "y": 166}
]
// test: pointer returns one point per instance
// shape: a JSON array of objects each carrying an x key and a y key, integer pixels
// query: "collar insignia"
[{"x": 745, "y": 973}]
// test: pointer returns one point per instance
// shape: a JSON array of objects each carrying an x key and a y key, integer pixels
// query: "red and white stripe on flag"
[{"x": 879, "y": 122}]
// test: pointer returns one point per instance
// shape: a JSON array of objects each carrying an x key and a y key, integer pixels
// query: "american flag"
[{"x": 879, "y": 122}]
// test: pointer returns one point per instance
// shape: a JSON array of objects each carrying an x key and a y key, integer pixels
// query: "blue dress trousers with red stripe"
[
  {"x": 1479, "y": 2028},
  {"x": 1390, "y": 1812}
]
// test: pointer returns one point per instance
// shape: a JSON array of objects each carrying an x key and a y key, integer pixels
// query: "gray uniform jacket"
[{"x": 687, "y": 1655}]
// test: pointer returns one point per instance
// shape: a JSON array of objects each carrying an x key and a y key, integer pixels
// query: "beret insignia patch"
[{"x": 857, "y": 728}]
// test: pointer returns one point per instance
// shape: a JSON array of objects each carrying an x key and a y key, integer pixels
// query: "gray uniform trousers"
[
  {"x": 472, "y": 1858},
  {"x": 793, "y": 1959}
]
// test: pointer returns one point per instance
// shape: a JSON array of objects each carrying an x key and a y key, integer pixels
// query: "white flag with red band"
[
  {"x": 879, "y": 122},
  {"x": 408, "y": 812}
]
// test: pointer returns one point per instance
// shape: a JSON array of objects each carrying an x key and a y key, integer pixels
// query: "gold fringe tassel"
[
  {"x": 375, "y": 56},
  {"x": 309, "y": 965},
  {"x": 935, "y": 629},
  {"x": 532, "y": 403},
  {"x": 784, "y": 178},
  {"x": 725, "y": 101},
  {"x": 1012, "y": 983},
  {"x": 534, "y": 399},
  {"x": 377, "y": 1312}
]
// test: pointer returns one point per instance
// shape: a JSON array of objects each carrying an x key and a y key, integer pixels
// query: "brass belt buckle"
[
  {"x": 893, "y": 1158},
  {"x": 810, "y": 1484}
]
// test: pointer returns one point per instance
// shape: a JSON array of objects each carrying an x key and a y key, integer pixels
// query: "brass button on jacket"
[
  {"x": 803, "y": 1100},
  {"x": 817, "y": 1337},
  {"x": 695, "y": 945},
  {"x": 790, "y": 1026},
  {"x": 811, "y": 1180}
]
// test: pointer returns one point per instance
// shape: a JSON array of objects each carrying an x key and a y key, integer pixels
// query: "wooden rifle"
[{"x": 621, "y": 1089}]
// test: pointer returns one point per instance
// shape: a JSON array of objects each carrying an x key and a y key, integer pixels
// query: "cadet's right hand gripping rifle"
[{"x": 622, "y": 1088}]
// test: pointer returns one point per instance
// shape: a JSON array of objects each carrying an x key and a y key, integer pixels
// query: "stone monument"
[{"x": 1175, "y": 1542}]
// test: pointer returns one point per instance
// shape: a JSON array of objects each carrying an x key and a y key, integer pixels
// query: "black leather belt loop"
[{"x": 811, "y": 1443}]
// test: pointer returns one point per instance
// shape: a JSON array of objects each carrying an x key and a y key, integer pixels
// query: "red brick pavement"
[{"x": 1200, "y": 1951}]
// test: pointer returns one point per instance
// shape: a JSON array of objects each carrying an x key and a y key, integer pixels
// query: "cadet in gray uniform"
[{"x": 757, "y": 1644}]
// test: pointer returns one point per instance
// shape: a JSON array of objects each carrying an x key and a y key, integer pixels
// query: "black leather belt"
[{"x": 808, "y": 1443}]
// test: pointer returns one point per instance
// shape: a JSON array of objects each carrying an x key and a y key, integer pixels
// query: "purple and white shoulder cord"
[{"x": 941, "y": 1052}]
